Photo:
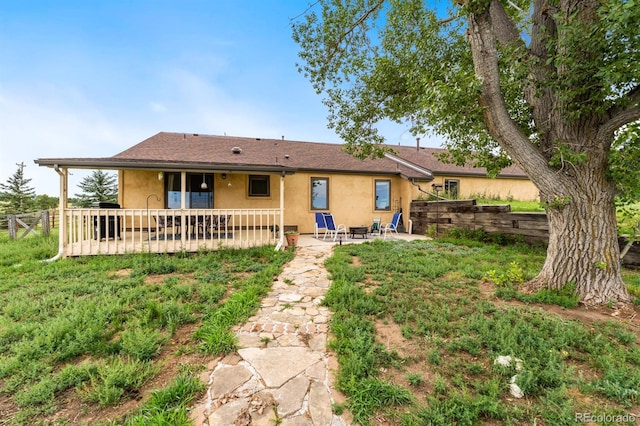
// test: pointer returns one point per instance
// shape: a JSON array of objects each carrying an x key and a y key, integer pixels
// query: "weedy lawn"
[
  {"x": 417, "y": 327},
  {"x": 118, "y": 339}
]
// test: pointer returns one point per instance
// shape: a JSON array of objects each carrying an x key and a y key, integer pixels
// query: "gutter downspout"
[
  {"x": 62, "y": 204},
  {"x": 280, "y": 244}
]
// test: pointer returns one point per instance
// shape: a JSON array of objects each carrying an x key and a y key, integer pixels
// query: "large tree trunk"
[{"x": 583, "y": 245}]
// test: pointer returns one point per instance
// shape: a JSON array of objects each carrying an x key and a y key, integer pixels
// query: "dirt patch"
[
  {"x": 390, "y": 335},
  {"x": 626, "y": 314},
  {"x": 121, "y": 273}
]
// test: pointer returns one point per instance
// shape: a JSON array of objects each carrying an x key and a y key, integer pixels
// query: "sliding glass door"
[{"x": 199, "y": 190}]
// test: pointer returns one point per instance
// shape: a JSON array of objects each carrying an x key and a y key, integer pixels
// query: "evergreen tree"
[
  {"x": 16, "y": 193},
  {"x": 99, "y": 186}
]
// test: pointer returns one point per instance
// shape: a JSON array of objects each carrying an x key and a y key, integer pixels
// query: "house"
[{"x": 187, "y": 191}]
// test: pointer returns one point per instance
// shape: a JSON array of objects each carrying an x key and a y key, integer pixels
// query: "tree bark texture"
[
  {"x": 583, "y": 244},
  {"x": 583, "y": 247}
]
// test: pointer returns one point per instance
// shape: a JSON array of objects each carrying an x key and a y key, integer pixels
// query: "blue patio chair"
[
  {"x": 332, "y": 228},
  {"x": 393, "y": 226},
  {"x": 320, "y": 224}
]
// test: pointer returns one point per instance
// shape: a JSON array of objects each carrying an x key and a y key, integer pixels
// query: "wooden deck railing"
[{"x": 118, "y": 231}]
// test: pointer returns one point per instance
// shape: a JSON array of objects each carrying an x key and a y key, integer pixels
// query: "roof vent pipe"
[{"x": 417, "y": 144}]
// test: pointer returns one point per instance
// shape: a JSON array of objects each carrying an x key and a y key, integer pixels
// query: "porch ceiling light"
[{"x": 204, "y": 183}]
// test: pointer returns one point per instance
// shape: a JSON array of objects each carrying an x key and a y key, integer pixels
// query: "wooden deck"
[{"x": 119, "y": 231}]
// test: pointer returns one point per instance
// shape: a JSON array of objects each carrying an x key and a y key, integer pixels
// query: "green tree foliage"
[
  {"x": 98, "y": 186},
  {"x": 625, "y": 159},
  {"x": 545, "y": 84},
  {"x": 16, "y": 192},
  {"x": 45, "y": 202}
]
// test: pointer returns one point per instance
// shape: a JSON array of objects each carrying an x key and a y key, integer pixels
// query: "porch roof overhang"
[{"x": 177, "y": 166}]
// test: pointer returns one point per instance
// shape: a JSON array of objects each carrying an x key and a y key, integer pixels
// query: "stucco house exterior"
[{"x": 239, "y": 191}]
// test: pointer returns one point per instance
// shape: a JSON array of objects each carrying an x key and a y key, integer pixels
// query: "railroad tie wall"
[
  {"x": 467, "y": 214},
  {"x": 533, "y": 227}
]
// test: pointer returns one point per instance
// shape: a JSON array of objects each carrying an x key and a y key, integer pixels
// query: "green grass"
[
  {"x": 94, "y": 327},
  {"x": 516, "y": 205},
  {"x": 431, "y": 291}
]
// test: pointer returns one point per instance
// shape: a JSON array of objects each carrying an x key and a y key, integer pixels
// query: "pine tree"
[
  {"x": 99, "y": 186},
  {"x": 16, "y": 193}
]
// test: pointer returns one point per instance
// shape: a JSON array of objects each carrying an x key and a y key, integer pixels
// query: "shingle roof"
[
  {"x": 195, "y": 151},
  {"x": 217, "y": 150},
  {"x": 425, "y": 158}
]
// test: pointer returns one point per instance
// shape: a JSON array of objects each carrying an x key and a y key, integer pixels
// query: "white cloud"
[
  {"x": 42, "y": 126},
  {"x": 157, "y": 107}
]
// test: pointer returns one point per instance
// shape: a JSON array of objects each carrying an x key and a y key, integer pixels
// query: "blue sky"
[{"x": 92, "y": 78}]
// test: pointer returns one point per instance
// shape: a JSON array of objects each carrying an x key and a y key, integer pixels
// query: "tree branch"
[
  {"x": 543, "y": 100},
  {"x": 620, "y": 116},
  {"x": 503, "y": 26},
  {"x": 500, "y": 125},
  {"x": 356, "y": 24}
]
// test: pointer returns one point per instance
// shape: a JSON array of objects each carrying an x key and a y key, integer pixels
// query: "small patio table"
[{"x": 358, "y": 230}]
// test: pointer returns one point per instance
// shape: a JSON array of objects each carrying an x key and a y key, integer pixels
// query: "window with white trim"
[{"x": 383, "y": 194}]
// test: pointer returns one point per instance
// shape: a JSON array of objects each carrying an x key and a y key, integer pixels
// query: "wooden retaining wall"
[{"x": 492, "y": 218}]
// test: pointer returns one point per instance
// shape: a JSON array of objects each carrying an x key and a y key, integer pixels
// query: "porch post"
[
  {"x": 281, "y": 235},
  {"x": 183, "y": 205},
  {"x": 63, "y": 237}
]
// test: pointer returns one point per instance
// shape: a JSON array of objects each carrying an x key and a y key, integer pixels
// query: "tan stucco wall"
[
  {"x": 136, "y": 185},
  {"x": 235, "y": 196},
  {"x": 470, "y": 186},
  {"x": 351, "y": 197}
]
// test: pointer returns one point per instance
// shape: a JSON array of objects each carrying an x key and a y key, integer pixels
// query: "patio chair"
[
  {"x": 210, "y": 224},
  {"x": 320, "y": 224},
  {"x": 223, "y": 222},
  {"x": 376, "y": 226},
  {"x": 170, "y": 222},
  {"x": 393, "y": 226},
  {"x": 332, "y": 228}
]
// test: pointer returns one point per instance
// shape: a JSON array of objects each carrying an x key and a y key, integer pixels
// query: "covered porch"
[{"x": 140, "y": 225}]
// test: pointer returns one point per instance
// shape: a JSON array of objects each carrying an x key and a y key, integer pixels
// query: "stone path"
[{"x": 282, "y": 373}]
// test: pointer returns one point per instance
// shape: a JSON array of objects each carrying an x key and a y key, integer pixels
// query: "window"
[
  {"x": 383, "y": 195},
  {"x": 172, "y": 190},
  {"x": 259, "y": 186},
  {"x": 319, "y": 193},
  {"x": 451, "y": 187},
  {"x": 197, "y": 197}
]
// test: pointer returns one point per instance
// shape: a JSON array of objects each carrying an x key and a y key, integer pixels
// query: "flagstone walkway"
[{"x": 283, "y": 372}]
